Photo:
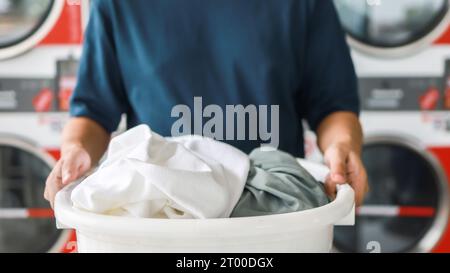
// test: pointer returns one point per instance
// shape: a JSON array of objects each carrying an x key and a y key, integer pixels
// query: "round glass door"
[
  {"x": 392, "y": 24},
  {"x": 26, "y": 221},
  {"x": 402, "y": 209},
  {"x": 21, "y": 18},
  {"x": 24, "y": 23}
]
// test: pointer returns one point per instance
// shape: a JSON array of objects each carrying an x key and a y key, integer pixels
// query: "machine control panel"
[
  {"x": 401, "y": 94},
  {"x": 406, "y": 93},
  {"x": 40, "y": 94}
]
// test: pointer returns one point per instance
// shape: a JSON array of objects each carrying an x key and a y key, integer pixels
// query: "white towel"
[{"x": 146, "y": 175}]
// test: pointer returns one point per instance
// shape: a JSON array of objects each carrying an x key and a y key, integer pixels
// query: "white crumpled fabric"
[{"x": 146, "y": 175}]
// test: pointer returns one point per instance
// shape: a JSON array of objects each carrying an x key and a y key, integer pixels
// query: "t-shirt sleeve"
[
  {"x": 330, "y": 82},
  {"x": 99, "y": 94}
]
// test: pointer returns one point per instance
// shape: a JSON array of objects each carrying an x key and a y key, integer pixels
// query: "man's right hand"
[
  {"x": 84, "y": 142},
  {"x": 74, "y": 163}
]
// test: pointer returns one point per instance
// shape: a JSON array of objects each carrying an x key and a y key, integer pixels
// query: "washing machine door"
[
  {"x": 386, "y": 28},
  {"x": 407, "y": 207},
  {"x": 26, "y": 220},
  {"x": 24, "y": 23}
]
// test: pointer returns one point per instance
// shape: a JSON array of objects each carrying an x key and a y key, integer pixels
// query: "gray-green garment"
[{"x": 278, "y": 184}]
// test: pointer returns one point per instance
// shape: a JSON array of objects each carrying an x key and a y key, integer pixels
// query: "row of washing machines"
[{"x": 399, "y": 49}]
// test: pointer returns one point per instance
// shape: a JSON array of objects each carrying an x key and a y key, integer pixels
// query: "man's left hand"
[{"x": 345, "y": 167}]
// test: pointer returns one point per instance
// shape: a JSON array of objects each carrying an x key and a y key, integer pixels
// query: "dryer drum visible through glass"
[
  {"x": 24, "y": 23},
  {"x": 393, "y": 28},
  {"x": 406, "y": 209},
  {"x": 26, "y": 220}
]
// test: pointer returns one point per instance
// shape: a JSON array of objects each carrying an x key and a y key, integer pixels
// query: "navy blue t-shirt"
[{"x": 143, "y": 57}]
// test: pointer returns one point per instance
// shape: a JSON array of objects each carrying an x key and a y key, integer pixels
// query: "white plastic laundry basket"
[{"x": 305, "y": 231}]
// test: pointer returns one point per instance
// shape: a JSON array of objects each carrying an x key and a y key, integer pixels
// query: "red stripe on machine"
[
  {"x": 416, "y": 212},
  {"x": 26, "y": 213},
  {"x": 40, "y": 213}
]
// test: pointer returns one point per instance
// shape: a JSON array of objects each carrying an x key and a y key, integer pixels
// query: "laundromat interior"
[{"x": 401, "y": 54}]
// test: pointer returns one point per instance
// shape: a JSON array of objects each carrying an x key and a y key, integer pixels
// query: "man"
[{"x": 143, "y": 57}]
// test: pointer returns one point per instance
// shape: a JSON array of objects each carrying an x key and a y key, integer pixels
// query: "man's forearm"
[
  {"x": 340, "y": 128},
  {"x": 340, "y": 138},
  {"x": 89, "y": 135}
]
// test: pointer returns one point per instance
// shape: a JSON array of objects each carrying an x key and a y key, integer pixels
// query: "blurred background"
[{"x": 400, "y": 50}]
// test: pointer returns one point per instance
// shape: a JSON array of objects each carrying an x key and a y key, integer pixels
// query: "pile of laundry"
[{"x": 149, "y": 176}]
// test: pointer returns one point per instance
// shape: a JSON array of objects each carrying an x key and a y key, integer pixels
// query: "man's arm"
[
  {"x": 96, "y": 105},
  {"x": 82, "y": 134},
  {"x": 340, "y": 139},
  {"x": 84, "y": 143},
  {"x": 329, "y": 99}
]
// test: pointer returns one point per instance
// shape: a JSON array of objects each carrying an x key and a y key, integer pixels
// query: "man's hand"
[
  {"x": 340, "y": 139},
  {"x": 84, "y": 143},
  {"x": 72, "y": 166},
  {"x": 345, "y": 167}
]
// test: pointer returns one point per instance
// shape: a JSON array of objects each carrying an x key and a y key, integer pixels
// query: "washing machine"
[
  {"x": 40, "y": 44},
  {"x": 400, "y": 49}
]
